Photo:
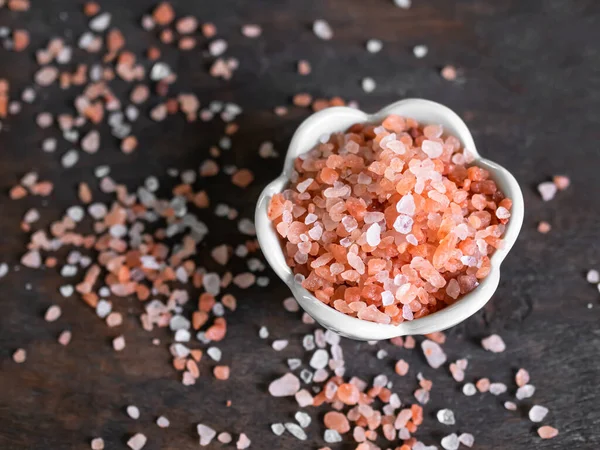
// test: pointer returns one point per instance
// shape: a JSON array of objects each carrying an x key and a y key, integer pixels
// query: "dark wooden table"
[{"x": 531, "y": 93}]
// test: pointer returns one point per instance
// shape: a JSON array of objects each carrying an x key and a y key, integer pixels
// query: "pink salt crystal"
[
  {"x": 64, "y": 338},
  {"x": 206, "y": 433},
  {"x": 304, "y": 398},
  {"x": 544, "y": 227},
  {"x": 285, "y": 386},
  {"x": 407, "y": 313},
  {"x": 403, "y": 224},
  {"x": 31, "y": 259},
  {"x": 432, "y": 149},
  {"x": 290, "y": 304},
  {"x": 493, "y": 343},
  {"x": 19, "y": 356},
  {"x": 511, "y": 406},
  {"x": 280, "y": 344},
  {"x": 243, "y": 442},
  {"x": 224, "y": 438},
  {"x": 547, "y": 190},
  {"x": 52, "y": 313},
  {"x": 220, "y": 254},
  {"x": 466, "y": 439},
  {"x": 97, "y": 444},
  {"x": 433, "y": 353},
  {"x": 401, "y": 367},
  {"x": 372, "y": 314},
  {"x": 547, "y": 432},
  {"x": 562, "y": 182},
  {"x": 251, "y": 30},
  {"x": 406, "y": 205},
  {"x": 522, "y": 377},
  {"x": 137, "y": 441},
  {"x": 497, "y": 388},
  {"x": 502, "y": 213},
  {"x": 453, "y": 289},
  {"x": 118, "y": 343},
  {"x": 163, "y": 422},
  {"x": 244, "y": 280}
]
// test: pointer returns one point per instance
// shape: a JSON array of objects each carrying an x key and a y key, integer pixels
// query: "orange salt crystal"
[
  {"x": 561, "y": 182},
  {"x": 221, "y": 372},
  {"x": 302, "y": 100},
  {"x": 17, "y": 192},
  {"x": 91, "y": 9},
  {"x": 449, "y": 73},
  {"x": 242, "y": 178},
  {"x": 209, "y": 30},
  {"x": 20, "y": 40},
  {"x": 544, "y": 227},
  {"x": 163, "y": 14},
  {"x": 336, "y": 421},
  {"x": 348, "y": 394}
]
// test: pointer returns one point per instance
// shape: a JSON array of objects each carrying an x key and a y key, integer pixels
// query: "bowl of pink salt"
[{"x": 388, "y": 224}]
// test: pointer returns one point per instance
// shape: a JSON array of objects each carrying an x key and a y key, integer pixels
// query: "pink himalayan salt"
[
  {"x": 522, "y": 377},
  {"x": 285, "y": 386},
  {"x": 537, "y": 413},
  {"x": 547, "y": 432},
  {"x": 137, "y": 441},
  {"x": 386, "y": 222},
  {"x": 243, "y": 442},
  {"x": 493, "y": 343},
  {"x": 562, "y": 182},
  {"x": 433, "y": 353}
]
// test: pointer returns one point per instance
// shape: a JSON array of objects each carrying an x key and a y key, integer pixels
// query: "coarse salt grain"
[
  {"x": 420, "y": 51},
  {"x": 374, "y": 45},
  {"x": 163, "y": 422},
  {"x": 547, "y": 432},
  {"x": 137, "y": 441},
  {"x": 446, "y": 417},
  {"x": 322, "y": 29},
  {"x": 593, "y": 276},
  {"x": 493, "y": 343},
  {"x": 285, "y": 386},
  {"x": 537, "y": 413},
  {"x": 547, "y": 190}
]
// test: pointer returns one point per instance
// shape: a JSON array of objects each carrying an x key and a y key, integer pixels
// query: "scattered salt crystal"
[
  {"x": 69, "y": 159},
  {"x": 217, "y": 47},
  {"x": 251, "y": 30},
  {"x": 279, "y": 344},
  {"x": 374, "y": 45},
  {"x": 493, "y": 343},
  {"x": 466, "y": 439},
  {"x": 446, "y": 417},
  {"x": 433, "y": 353},
  {"x": 19, "y": 356},
  {"x": 524, "y": 392},
  {"x": 319, "y": 359},
  {"x": 163, "y": 422},
  {"x": 290, "y": 304},
  {"x": 215, "y": 353},
  {"x": 3, "y": 269},
  {"x": 137, "y": 441},
  {"x": 368, "y": 84},
  {"x": 295, "y": 430},
  {"x": 243, "y": 442},
  {"x": 522, "y": 377},
  {"x": 511, "y": 406},
  {"x": 206, "y": 434},
  {"x": 497, "y": 388},
  {"x": 118, "y": 343},
  {"x": 263, "y": 332},
  {"x": 404, "y": 4},
  {"x": 97, "y": 444},
  {"x": 562, "y": 182},
  {"x": 332, "y": 436},
  {"x": 450, "y": 442},
  {"x": 302, "y": 418},
  {"x": 100, "y": 22},
  {"x": 52, "y": 313},
  {"x": 224, "y": 438},
  {"x": 133, "y": 412},
  {"x": 304, "y": 398},
  {"x": 382, "y": 354},
  {"x": 322, "y": 29},
  {"x": 537, "y": 413},
  {"x": 285, "y": 386},
  {"x": 547, "y": 190},
  {"x": 278, "y": 429},
  {"x": 547, "y": 432},
  {"x": 593, "y": 276},
  {"x": 469, "y": 389},
  {"x": 420, "y": 51}
]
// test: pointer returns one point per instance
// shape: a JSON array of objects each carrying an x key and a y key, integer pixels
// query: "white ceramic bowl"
[{"x": 339, "y": 119}]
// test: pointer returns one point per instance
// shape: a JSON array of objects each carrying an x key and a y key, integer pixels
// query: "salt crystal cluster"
[{"x": 388, "y": 222}]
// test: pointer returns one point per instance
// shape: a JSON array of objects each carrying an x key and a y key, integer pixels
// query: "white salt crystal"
[
  {"x": 547, "y": 190},
  {"x": 374, "y": 45},
  {"x": 420, "y": 51},
  {"x": 296, "y": 431},
  {"x": 322, "y": 29},
  {"x": 593, "y": 276},
  {"x": 493, "y": 343},
  {"x": 277, "y": 428},
  {"x": 302, "y": 418},
  {"x": 332, "y": 436},
  {"x": 214, "y": 353},
  {"x": 319, "y": 359},
  {"x": 280, "y": 344},
  {"x": 403, "y": 224},
  {"x": 374, "y": 235},
  {"x": 524, "y": 392},
  {"x": 368, "y": 84},
  {"x": 497, "y": 388},
  {"x": 285, "y": 386},
  {"x": 469, "y": 389},
  {"x": 466, "y": 439},
  {"x": 133, "y": 412},
  {"x": 404, "y": 4},
  {"x": 432, "y": 149},
  {"x": 537, "y": 413},
  {"x": 450, "y": 442},
  {"x": 406, "y": 205},
  {"x": 206, "y": 434},
  {"x": 446, "y": 417},
  {"x": 100, "y": 22}
]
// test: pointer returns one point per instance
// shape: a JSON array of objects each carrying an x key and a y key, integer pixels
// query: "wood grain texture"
[{"x": 532, "y": 93}]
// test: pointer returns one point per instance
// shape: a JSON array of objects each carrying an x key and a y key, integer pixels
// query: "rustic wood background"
[{"x": 531, "y": 93}]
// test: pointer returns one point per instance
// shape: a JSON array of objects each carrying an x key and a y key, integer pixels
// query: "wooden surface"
[{"x": 531, "y": 92}]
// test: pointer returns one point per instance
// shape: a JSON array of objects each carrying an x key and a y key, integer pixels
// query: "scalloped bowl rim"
[{"x": 339, "y": 119}]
